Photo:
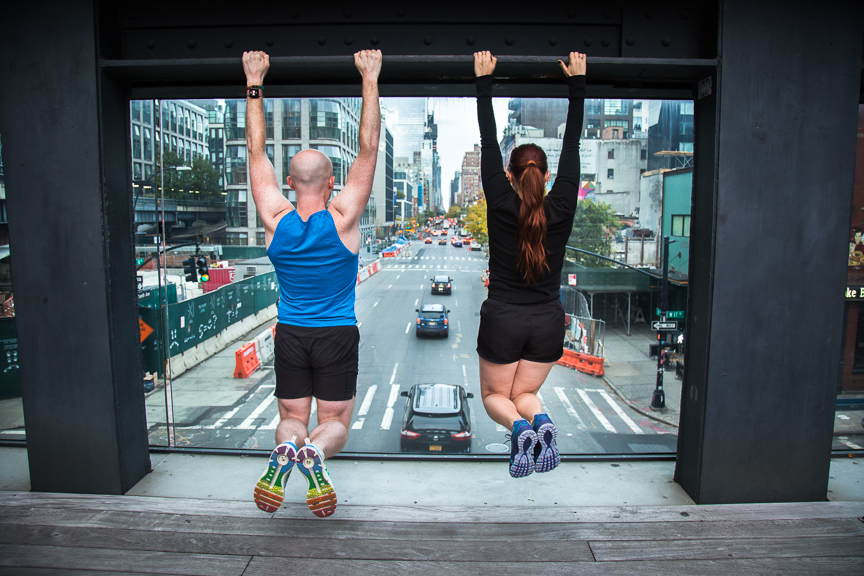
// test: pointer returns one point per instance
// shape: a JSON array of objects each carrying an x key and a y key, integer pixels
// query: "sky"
[{"x": 458, "y": 132}]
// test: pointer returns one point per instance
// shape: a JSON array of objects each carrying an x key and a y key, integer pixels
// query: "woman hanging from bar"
[{"x": 522, "y": 321}]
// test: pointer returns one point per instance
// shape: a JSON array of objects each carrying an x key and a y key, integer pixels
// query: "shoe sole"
[
  {"x": 321, "y": 496},
  {"x": 549, "y": 457},
  {"x": 269, "y": 491},
  {"x": 523, "y": 463}
]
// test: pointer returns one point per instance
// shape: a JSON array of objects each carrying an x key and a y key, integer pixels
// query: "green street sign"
[
  {"x": 672, "y": 314},
  {"x": 139, "y": 261}
]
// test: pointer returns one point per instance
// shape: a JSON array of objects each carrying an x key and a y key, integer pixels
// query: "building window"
[
  {"x": 146, "y": 106},
  {"x": 259, "y": 238},
  {"x": 148, "y": 170},
  {"x": 188, "y": 122},
  {"x": 236, "y": 238},
  {"x": 136, "y": 141},
  {"x": 188, "y": 153},
  {"x": 135, "y": 110},
  {"x": 610, "y": 154},
  {"x": 235, "y": 165},
  {"x": 290, "y": 119},
  {"x": 335, "y": 155},
  {"x": 236, "y": 208},
  {"x": 643, "y": 154},
  {"x": 681, "y": 225},
  {"x": 136, "y": 170},
  {"x": 173, "y": 117},
  {"x": 270, "y": 153},
  {"x": 235, "y": 120},
  {"x": 324, "y": 119},
  {"x": 268, "y": 119},
  {"x": 616, "y": 107},
  {"x": 610, "y": 174},
  {"x": 148, "y": 145},
  {"x": 288, "y": 152},
  {"x": 174, "y": 144}
]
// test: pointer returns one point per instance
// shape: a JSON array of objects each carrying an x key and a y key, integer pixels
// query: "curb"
[{"x": 636, "y": 408}]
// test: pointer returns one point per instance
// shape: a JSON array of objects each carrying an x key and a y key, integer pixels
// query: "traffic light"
[
  {"x": 189, "y": 270},
  {"x": 203, "y": 271}
]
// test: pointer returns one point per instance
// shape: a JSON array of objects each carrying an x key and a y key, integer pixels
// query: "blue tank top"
[{"x": 317, "y": 273}]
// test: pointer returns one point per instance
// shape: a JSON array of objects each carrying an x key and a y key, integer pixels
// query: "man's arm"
[
  {"x": 269, "y": 201},
  {"x": 348, "y": 205}
]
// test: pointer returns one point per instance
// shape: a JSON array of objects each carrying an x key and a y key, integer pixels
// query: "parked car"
[
  {"x": 437, "y": 418},
  {"x": 441, "y": 284},
  {"x": 475, "y": 247},
  {"x": 432, "y": 320}
]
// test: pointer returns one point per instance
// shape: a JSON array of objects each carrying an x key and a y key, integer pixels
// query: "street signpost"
[
  {"x": 658, "y": 400},
  {"x": 664, "y": 325}
]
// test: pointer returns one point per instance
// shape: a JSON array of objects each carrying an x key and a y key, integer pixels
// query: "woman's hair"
[{"x": 528, "y": 169}]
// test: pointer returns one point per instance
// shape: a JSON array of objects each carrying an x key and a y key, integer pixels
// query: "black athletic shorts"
[
  {"x": 320, "y": 362},
  {"x": 510, "y": 332}
]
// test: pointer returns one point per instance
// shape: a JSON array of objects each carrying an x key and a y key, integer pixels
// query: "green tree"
[
  {"x": 594, "y": 227},
  {"x": 200, "y": 183},
  {"x": 475, "y": 222},
  {"x": 455, "y": 211}
]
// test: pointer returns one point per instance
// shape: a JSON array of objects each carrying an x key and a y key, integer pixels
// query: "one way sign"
[{"x": 664, "y": 325}]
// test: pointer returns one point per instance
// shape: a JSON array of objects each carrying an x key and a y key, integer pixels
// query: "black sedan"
[
  {"x": 442, "y": 285},
  {"x": 437, "y": 418}
]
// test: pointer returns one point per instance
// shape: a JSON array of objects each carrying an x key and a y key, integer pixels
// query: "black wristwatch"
[{"x": 253, "y": 91}]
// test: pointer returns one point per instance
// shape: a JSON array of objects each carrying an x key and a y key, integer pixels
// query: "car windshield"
[
  {"x": 450, "y": 422},
  {"x": 432, "y": 315}
]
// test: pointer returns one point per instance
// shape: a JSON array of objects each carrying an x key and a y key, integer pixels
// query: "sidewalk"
[{"x": 632, "y": 374}]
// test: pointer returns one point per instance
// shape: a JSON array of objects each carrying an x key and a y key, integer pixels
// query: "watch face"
[{"x": 253, "y": 93}]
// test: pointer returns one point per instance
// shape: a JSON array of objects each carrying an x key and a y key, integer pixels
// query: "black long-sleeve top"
[{"x": 502, "y": 203}]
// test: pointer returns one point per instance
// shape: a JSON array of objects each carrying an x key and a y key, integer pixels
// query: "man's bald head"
[{"x": 310, "y": 169}]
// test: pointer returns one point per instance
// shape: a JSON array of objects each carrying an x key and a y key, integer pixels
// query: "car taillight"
[
  {"x": 448, "y": 285},
  {"x": 409, "y": 435},
  {"x": 445, "y": 321},
  {"x": 418, "y": 320},
  {"x": 461, "y": 436}
]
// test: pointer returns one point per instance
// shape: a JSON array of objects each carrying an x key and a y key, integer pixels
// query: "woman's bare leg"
[{"x": 510, "y": 390}]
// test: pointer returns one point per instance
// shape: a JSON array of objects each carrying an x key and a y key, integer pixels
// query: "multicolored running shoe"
[
  {"x": 269, "y": 491},
  {"x": 321, "y": 496},
  {"x": 522, "y": 442},
  {"x": 546, "y": 456}
]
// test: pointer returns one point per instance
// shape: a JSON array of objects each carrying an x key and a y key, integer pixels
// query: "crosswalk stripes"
[
  {"x": 595, "y": 411},
  {"x": 621, "y": 414},
  {"x": 568, "y": 406}
]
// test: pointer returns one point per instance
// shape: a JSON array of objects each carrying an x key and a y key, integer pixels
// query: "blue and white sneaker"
[
  {"x": 546, "y": 456},
  {"x": 522, "y": 442}
]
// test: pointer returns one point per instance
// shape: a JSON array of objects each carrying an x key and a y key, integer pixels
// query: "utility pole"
[{"x": 658, "y": 400}]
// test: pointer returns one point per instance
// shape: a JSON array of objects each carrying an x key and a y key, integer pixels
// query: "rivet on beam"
[
  {"x": 401, "y": 13},
  {"x": 349, "y": 40},
  {"x": 588, "y": 41},
  {"x": 605, "y": 42},
  {"x": 322, "y": 40},
  {"x": 151, "y": 44},
  {"x": 374, "y": 40},
  {"x": 630, "y": 41},
  {"x": 553, "y": 41},
  {"x": 649, "y": 14},
  {"x": 229, "y": 43},
  {"x": 470, "y": 40},
  {"x": 427, "y": 40},
  {"x": 269, "y": 41},
  {"x": 509, "y": 41},
  {"x": 665, "y": 41},
  {"x": 191, "y": 44}
]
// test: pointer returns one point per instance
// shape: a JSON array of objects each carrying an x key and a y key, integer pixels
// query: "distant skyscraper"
[
  {"x": 406, "y": 118},
  {"x": 470, "y": 176}
]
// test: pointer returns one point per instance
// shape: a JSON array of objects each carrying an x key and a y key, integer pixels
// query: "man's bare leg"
[{"x": 270, "y": 489}]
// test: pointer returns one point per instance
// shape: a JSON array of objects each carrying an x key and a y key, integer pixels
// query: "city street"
[{"x": 591, "y": 419}]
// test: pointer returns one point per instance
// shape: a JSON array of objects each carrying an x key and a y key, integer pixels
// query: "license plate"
[{"x": 435, "y": 448}]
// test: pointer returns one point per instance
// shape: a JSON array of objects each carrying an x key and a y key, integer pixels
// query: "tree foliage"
[
  {"x": 594, "y": 227},
  {"x": 455, "y": 211},
  {"x": 475, "y": 222},
  {"x": 201, "y": 183}
]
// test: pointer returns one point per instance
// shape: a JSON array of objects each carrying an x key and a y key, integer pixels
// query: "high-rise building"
[
  {"x": 406, "y": 118},
  {"x": 181, "y": 128},
  {"x": 471, "y": 184},
  {"x": 455, "y": 195},
  {"x": 670, "y": 135},
  {"x": 383, "y": 190},
  {"x": 330, "y": 125}
]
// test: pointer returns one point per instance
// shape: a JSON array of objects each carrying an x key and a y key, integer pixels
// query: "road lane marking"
[
  {"x": 359, "y": 324},
  {"x": 594, "y": 410},
  {"x": 416, "y": 301},
  {"x": 846, "y": 442},
  {"x": 408, "y": 328},
  {"x": 248, "y": 423},
  {"x": 580, "y": 424},
  {"x": 230, "y": 414},
  {"x": 540, "y": 397},
  {"x": 273, "y": 423},
  {"x": 397, "y": 277},
  {"x": 455, "y": 302},
  {"x": 459, "y": 323},
  {"x": 388, "y": 413},
  {"x": 375, "y": 304},
  {"x": 500, "y": 428},
  {"x": 421, "y": 286},
  {"x": 367, "y": 400},
  {"x": 358, "y": 425},
  {"x": 627, "y": 420},
  {"x": 390, "y": 286}
]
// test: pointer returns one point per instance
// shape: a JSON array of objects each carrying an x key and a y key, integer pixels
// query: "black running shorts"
[
  {"x": 512, "y": 332},
  {"x": 320, "y": 362}
]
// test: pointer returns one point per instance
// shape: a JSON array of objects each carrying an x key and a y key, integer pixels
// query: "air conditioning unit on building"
[{"x": 251, "y": 271}]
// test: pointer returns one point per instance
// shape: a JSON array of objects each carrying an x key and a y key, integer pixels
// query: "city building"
[
  {"x": 470, "y": 176},
  {"x": 613, "y": 166},
  {"x": 455, "y": 194},
  {"x": 330, "y": 125},
  {"x": 383, "y": 189},
  {"x": 670, "y": 134},
  {"x": 182, "y": 124}
]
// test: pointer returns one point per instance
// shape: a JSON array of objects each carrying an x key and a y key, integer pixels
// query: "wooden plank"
[
  {"x": 342, "y": 529},
  {"x": 786, "y": 566},
  {"x": 294, "y": 545},
  {"x": 18, "y": 571},
  {"x": 446, "y": 514},
  {"x": 146, "y": 562},
  {"x": 720, "y": 549}
]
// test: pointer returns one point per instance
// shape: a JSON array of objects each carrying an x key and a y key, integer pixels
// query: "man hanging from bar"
[{"x": 314, "y": 249}]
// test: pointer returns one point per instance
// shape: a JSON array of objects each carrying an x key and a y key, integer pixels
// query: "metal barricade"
[{"x": 586, "y": 335}]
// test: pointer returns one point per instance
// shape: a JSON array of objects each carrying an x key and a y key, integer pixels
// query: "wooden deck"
[{"x": 65, "y": 534}]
